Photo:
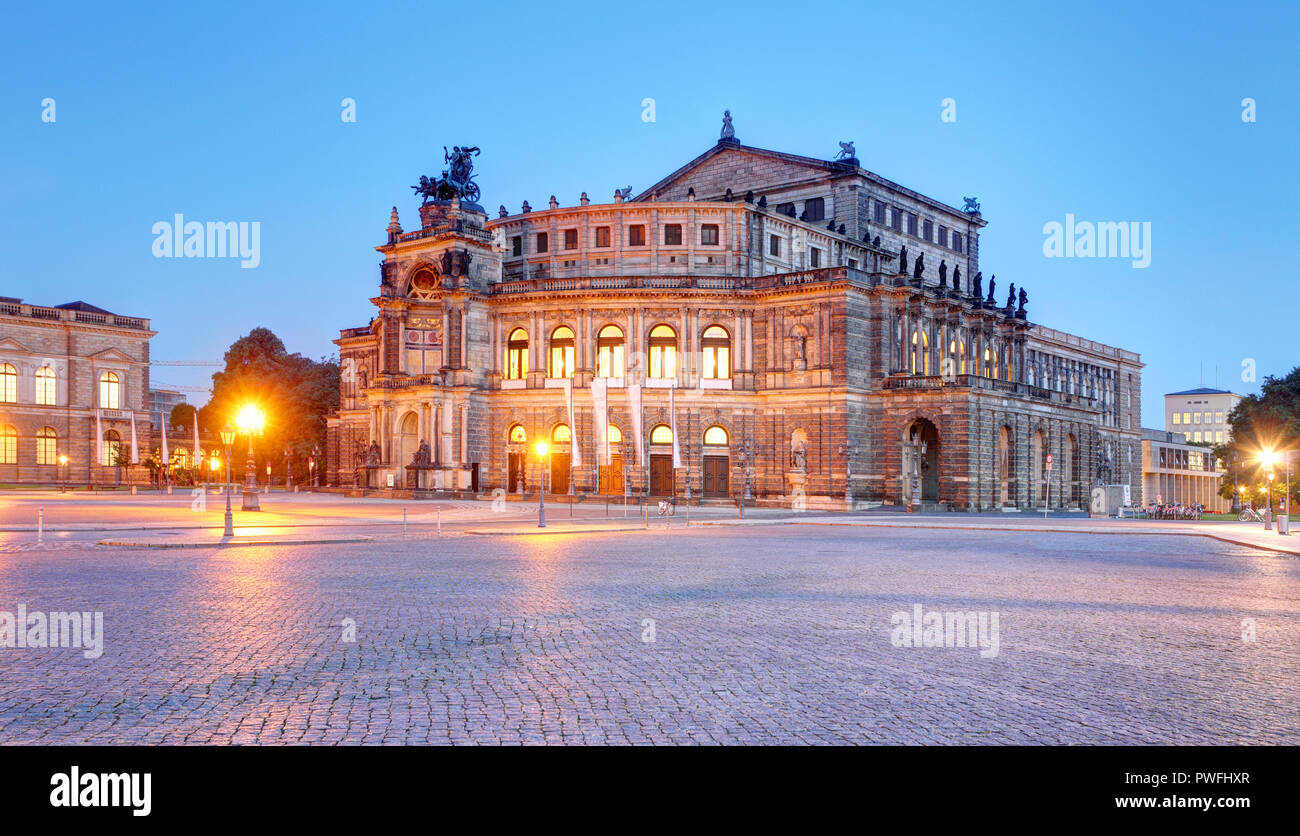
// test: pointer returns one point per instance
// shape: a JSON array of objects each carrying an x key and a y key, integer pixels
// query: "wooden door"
[
  {"x": 611, "y": 476},
  {"x": 661, "y": 475},
  {"x": 715, "y": 475},
  {"x": 559, "y": 473}
]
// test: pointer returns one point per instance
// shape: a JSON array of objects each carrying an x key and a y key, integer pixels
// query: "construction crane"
[{"x": 184, "y": 363}]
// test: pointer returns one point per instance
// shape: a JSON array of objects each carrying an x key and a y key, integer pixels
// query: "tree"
[
  {"x": 294, "y": 392},
  {"x": 1269, "y": 421},
  {"x": 182, "y": 415}
]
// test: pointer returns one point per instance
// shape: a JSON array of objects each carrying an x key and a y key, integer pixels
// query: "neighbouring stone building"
[
  {"x": 821, "y": 334},
  {"x": 74, "y": 383}
]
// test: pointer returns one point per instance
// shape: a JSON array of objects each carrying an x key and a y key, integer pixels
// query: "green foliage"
[
  {"x": 1267, "y": 421},
  {"x": 182, "y": 415},
  {"x": 294, "y": 392}
]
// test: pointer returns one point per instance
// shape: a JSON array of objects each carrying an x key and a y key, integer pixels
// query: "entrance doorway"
[
  {"x": 661, "y": 475},
  {"x": 407, "y": 442},
  {"x": 924, "y": 465},
  {"x": 559, "y": 473},
  {"x": 516, "y": 477},
  {"x": 716, "y": 469},
  {"x": 611, "y": 476}
]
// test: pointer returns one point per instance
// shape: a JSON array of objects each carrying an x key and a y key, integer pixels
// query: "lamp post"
[
  {"x": 250, "y": 420},
  {"x": 288, "y": 476},
  {"x": 917, "y": 446},
  {"x": 542, "y": 461},
  {"x": 228, "y": 440},
  {"x": 63, "y": 463},
  {"x": 848, "y": 451},
  {"x": 315, "y": 471}
]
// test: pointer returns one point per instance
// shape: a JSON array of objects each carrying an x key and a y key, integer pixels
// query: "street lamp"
[
  {"x": 917, "y": 445},
  {"x": 250, "y": 420},
  {"x": 542, "y": 460},
  {"x": 228, "y": 439},
  {"x": 849, "y": 452},
  {"x": 63, "y": 463}
]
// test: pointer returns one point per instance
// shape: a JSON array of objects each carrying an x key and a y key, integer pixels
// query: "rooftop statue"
[
  {"x": 972, "y": 205},
  {"x": 457, "y": 180},
  {"x": 847, "y": 152},
  {"x": 728, "y": 132},
  {"x": 956, "y": 279}
]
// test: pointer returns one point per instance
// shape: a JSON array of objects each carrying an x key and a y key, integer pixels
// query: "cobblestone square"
[{"x": 710, "y": 635}]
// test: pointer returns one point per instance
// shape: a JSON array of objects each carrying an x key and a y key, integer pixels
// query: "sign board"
[
  {"x": 391, "y": 480},
  {"x": 1049, "y": 461}
]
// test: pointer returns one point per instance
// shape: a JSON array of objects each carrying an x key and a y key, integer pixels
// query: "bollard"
[
  {"x": 645, "y": 515},
  {"x": 40, "y": 526},
  {"x": 688, "y": 513},
  {"x": 440, "y": 522},
  {"x": 403, "y": 522},
  {"x": 133, "y": 490}
]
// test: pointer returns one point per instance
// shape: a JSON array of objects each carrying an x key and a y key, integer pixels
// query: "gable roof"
[{"x": 83, "y": 306}]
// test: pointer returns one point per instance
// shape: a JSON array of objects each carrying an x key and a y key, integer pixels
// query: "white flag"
[
  {"x": 634, "y": 407},
  {"x": 600, "y": 414},
  {"x": 198, "y": 454},
  {"x": 99, "y": 439},
  {"x": 672, "y": 423},
  {"x": 575, "y": 444},
  {"x": 166, "y": 457},
  {"x": 135, "y": 448}
]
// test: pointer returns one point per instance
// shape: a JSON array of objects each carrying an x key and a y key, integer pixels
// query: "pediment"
[
  {"x": 10, "y": 344},
  {"x": 740, "y": 168},
  {"x": 113, "y": 355}
]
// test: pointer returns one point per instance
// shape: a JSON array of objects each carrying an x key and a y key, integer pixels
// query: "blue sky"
[{"x": 1109, "y": 112}]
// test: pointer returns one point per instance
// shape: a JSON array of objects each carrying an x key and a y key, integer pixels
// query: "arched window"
[
  {"x": 921, "y": 363},
  {"x": 560, "y": 434},
  {"x": 987, "y": 371},
  {"x": 717, "y": 353},
  {"x": 112, "y": 447},
  {"x": 8, "y": 383},
  {"x": 663, "y": 352},
  {"x": 609, "y": 352},
  {"x": 562, "y": 352},
  {"x": 518, "y": 435},
  {"x": 8, "y": 445},
  {"x": 45, "y": 386},
  {"x": 661, "y": 434},
  {"x": 615, "y": 435},
  {"x": 47, "y": 446},
  {"x": 716, "y": 436},
  {"x": 110, "y": 391},
  {"x": 517, "y": 355}
]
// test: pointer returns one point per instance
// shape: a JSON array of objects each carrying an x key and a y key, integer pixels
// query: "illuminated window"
[
  {"x": 517, "y": 355},
  {"x": 614, "y": 435},
  {"x": 921, "y": 359},
  {"x": 8, "y": 383},
  {"x": 8, "y": 445},
  {"x": 562, "y": 352},
  {"x": 47, "y": 441},
  {"x": 110, "y": 391},
  {"x": 561, "y": 434},
  {"x": 717, "y": 353},
  {"x": 715, "y": 435},
  {"x": 663, "y": 352},
  {"x": 1187, "y": 417},
  {"x": 518, "y": 435},
  {"x": 45, "y": 386},
  {"x": 609, "y": 352},
  {"x": 661, "y": 434},
  {"x": 1177, "y": 419},
  {"x": 112, "y": 450}
]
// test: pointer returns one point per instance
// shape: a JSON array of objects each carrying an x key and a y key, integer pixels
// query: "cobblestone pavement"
[{"x": 773, "y": 634}]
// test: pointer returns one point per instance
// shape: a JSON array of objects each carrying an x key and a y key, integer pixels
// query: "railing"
[
  {"x": 406, "y": 382},
  {"x": 913, "y": 383},
  {"x": 67, "y": 315}
]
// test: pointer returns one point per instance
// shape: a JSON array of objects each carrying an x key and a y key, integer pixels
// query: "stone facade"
[
  {"x": 806, "y": 365},
  {"x": 62, "y": 361}
]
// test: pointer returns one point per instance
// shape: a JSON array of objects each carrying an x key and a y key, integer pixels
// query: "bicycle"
[
  {"x": 1250, "y": 515},
  {"x": 668, "y": 507}
]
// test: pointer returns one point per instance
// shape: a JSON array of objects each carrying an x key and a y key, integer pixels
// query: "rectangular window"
[
  {"x": 1218, "y": 417},
  {"x": 543, "y": 241},
  {"x": 1187, "y": 417},
  {"x": 1176, "y": 419},
  {"x": 943, "y": 236},
  {"x": 956, "y": 242},
  {"x": 672, "y": 234},
  {"x": 814, "y": 209},
  {"x": 571, "y": 239},
  {"x": 814, "y": 257},
  {"x": 602, "y": 236},
  {"x": 636, "y": 235},
  {"x": 880, "y": 213},
  {"x": 853, "y": 262},
  {"x": 896, "y": 219},
  {"x": 8, "y": 445},
  {"x": 785, "y": 209},
  {"x": 1196, "y": 417},
  {"x": 911, "y": 224},
  {"x": 927, "y": 230},
  {"x": 516, "y": 245},
  {"x": 774, "y": 245},
  {"x": 709, "y": 235},
  {"x": 1218, "y": 436}
]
